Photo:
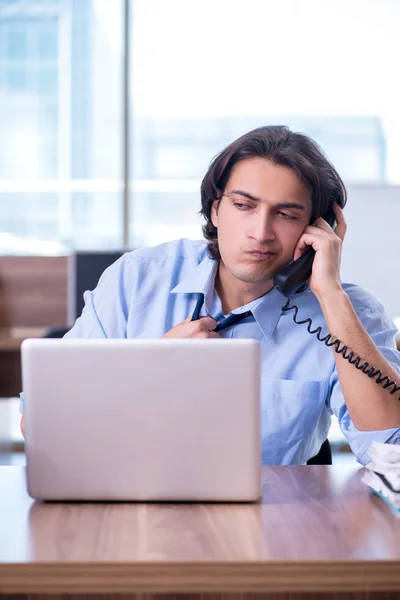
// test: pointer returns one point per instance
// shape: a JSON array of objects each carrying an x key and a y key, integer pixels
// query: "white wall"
[{"x": 371, "y": 250}]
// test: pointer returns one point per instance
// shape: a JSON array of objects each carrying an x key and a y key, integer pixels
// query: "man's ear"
[{"x": 214, "y": 213}]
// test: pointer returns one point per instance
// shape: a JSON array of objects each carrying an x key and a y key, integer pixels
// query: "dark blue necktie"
[{"x": 226, "y": 322}]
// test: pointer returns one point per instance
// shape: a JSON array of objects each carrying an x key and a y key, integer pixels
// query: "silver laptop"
[{"x": 142, "y": 419}]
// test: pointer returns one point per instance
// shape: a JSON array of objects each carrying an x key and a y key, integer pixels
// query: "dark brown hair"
[{"x": 282, "y": 147}]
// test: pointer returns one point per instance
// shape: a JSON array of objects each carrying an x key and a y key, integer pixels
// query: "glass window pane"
[
  {"x": 49, "y": 223},
  {"x": 16, "y": 44},
  {"x": 16, "y": 79},
  {"x": 60, "y": 123},
  {"x": 47, "y": 43},
  {"x": 47, "y": 82},
  {"x": 174, "y": 207}
]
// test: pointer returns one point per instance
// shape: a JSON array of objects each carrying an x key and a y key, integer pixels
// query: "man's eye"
[
  {"x": 286, "y": 216},
  {"x": 241, "y": 206}
]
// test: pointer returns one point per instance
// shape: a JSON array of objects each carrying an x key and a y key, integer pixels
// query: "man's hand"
[
  {"x": 327, "y": 243},
  {"x": 202, "y": 328}
]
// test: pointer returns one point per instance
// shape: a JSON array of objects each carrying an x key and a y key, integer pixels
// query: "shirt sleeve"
[
  {"x": 105, "y": 312},
  {"x": 383, "y": 332}
]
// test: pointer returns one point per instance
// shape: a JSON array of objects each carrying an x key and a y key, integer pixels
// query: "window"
[
  {"x": 60, "y": 123},
  {"x": 16, "y": 43}
]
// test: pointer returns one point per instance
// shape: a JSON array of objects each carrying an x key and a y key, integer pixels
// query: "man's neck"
[{"x": 234, "y": 293}]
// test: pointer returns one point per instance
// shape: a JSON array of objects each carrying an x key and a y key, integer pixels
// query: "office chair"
[
  {"x": 56, "y": 332},
  {"x": 324, "y": 456}
]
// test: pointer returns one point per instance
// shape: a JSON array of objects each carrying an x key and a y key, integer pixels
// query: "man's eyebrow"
[{"x": 295, "y": 205}]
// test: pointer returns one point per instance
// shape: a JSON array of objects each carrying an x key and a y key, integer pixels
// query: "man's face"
[{"x": 260, "y": 217}]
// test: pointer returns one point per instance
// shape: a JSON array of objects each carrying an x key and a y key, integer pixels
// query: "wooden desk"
[{"x": 316, "y": 530}]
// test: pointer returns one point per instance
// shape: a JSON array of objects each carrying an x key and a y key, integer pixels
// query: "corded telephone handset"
[{"x": 293, "y": 279}]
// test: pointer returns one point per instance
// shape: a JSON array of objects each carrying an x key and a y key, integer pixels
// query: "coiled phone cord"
[{"x": 350, "y": 356}]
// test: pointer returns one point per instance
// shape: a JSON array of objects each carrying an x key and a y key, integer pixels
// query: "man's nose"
[{"x": 263, "y": 229}]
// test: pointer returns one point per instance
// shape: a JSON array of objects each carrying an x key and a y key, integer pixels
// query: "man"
[{"x": 263, "y": 199}]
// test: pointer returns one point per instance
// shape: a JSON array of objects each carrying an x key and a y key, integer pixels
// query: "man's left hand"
[{"x": 327, "y": 243}]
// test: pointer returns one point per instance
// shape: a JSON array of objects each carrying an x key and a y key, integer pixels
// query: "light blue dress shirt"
[{"x": 148, "y": 291}]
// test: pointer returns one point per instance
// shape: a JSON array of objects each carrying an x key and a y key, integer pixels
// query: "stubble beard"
[{"x": 256, "y": 276}]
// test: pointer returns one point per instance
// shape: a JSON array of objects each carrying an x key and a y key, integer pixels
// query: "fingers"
[
  {"x": 200, "y": 328},
  {"x": 341, "y": 226},
  {"x": 322, "y": 224},
  {"x": 207, "y": 323},
  {"x": 318, "y": 240},
  {"x": 206, "y": 335},
  {"x": 304, "y": 241},
  {"x": 213, "y": 334},
  {"x": 317, "y": 230},
  {"x": 22, "y": 425}
]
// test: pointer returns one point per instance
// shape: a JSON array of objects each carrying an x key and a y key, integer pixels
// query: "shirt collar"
[
  {"x": 200, "y": 280},
  {"x": 266, "y": 310}
]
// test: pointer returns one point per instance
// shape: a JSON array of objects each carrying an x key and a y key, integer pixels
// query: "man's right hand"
[{"x": 202, "y": 328}]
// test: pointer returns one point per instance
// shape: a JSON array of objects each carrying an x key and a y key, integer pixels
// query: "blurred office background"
[{"x": 110, "y": 112}]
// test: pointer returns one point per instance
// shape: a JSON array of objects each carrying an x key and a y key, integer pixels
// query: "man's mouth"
[{"x": 261, "y": 254}]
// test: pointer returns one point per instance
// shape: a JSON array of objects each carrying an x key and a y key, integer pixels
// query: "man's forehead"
[{"x": 264, "y": 172}]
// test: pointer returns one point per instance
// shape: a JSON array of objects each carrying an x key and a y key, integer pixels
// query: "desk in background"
[
  {"x": 33, "y": 297},
  {"x": 316, "y": 530},
  {"x": 10, "y": 357}
]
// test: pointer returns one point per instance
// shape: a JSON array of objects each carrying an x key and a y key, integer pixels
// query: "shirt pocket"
[{"x": 291, "y": 409}]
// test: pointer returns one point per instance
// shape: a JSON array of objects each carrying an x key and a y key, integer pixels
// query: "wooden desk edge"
[{"x": 178, "y": 577}]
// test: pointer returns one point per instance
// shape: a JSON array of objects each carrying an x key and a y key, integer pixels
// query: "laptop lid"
[{"x": 142, "y": 419}]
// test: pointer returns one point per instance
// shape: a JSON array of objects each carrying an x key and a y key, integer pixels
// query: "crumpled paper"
[{"x": 383, "y": 473}]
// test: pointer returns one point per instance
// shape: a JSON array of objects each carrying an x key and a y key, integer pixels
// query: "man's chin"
[{"x": 256, "y": 278}]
